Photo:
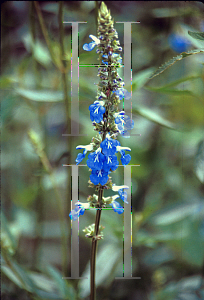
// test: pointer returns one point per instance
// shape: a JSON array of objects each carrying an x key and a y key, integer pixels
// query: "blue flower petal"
[
  {"x": 79, "y": 158},
  {"x": 117, "y": 207},
  {"x": 99, "y": 176},
  {"x": 123, "y": 195},
  {"x": 125, "y": 159},
  {"x": 109, "y": 146},
  {"x": 127, "y": 95},
  {"x": 75, "y": 213},
  {"x": 95, "y": 161},
  {"x": 104, "y": 62},
  {"x": 96, "y": 112},
  {"x": 89, "y": 47}
]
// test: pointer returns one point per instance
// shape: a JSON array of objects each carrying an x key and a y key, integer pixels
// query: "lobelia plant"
[{"x": 108, "y": 121}]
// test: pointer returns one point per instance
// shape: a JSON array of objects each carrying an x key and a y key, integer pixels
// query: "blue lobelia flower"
[
  {"x": 81, "y": 156},
  {"x": 109, "y": 146},
  {"x": 99, "y": 176},
  {"x": 123, "y": 93},
  {"x": 125, "y": 158},
  {"x": 123, "y": 123},
  {"x": 120, "y": 189},
  {"x": 97, "y": 111},
  {"x": 117, "y": 207},
  {"x": 91, "y": 45},
  {"x": 104, "y": 62},
  {"x": 123, "y": 195},
  {"x": 78, "y": 211},
  {"x": 110, "y": 162},
  {"x": 95, "y": 160}
]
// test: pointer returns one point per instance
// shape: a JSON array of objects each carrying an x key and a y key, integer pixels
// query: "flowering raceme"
[{"x": 107, "y": 119}]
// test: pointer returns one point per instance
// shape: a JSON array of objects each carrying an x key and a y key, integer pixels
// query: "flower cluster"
[{"x": 106, "y": 118}]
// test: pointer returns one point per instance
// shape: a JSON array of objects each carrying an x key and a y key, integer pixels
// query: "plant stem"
[
  {"x": 46, "y": 36},
  {"x": 94, "y": 247}
]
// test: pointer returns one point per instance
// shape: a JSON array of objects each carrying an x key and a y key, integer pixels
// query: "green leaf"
[
  {"x": 66, "y": 290},
  {"x": 199, "y": 162},
  {"x": 41, "y": 96},
  {"x": 193, "y": 246},
  {"x": 197, "y": 35},
  {"x": 41, "y": 54},
  {"x": 19, "y": 276},
  {"x": 178, "y": 81},
  {"x": 140, "y": 79},
  {"x": 174, "y": 60},
  {"x": 175, "y": 214},
  {"x": 35, "y": 283},
  {"x": 7, "y": 81},
  {"x": 164, "y": 90},
  {"x": 5, "y": 229},
  {"x": 109, "y": 254},
  {"x": 153, "y": 116},
  {"x": 10, "y": 274}
]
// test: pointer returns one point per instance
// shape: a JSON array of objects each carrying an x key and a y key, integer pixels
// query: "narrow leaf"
[
  {"x": 197, "y": 35},
  {"x": 199, "y": 162},
  {"x": 41, "y": 96},
  {"x": 178, "y": 81},
  {"x": 177, "y": 213},
  {"x": 140, "y": 79},
  {"x": 174, "y": 60},
  {"x": 62, "y": 284},
  {"x": 154, "y": 117},
  {"x": 170, "y": 91}
]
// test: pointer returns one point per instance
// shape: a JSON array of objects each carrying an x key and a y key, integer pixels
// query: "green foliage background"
[{"x": 167, "y": 188}]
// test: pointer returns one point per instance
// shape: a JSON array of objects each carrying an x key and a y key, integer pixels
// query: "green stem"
[
  {"x": 46, "y": 36},
  {"x": 63, "y": 60},
  {"x": 94, "y": 247}
]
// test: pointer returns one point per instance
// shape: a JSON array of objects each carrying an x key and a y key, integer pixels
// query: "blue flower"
[
  {"x": 78, "y": 211},
  {"x": 178, "y": 43},
  {"x": 123, "y": 93},
  {"x": 104, "y": 62},
  {"x": 120, "y": 189},
  {"x": 109, "y": 146},
  {"x": 111, "y": 162},
  {"x": 123, "y": 195},
  {"x": 81, "y": 156},
  {"x": 91, "y": 45},
  {"x": 97, "y": 111},
  {"x": 95, "y": 160},
  {"x": 123, "y": 123},
  {"x": 99, "y": 176},
  {"x": 125, "y": 158},
  {"x": 117, "y": 207}
]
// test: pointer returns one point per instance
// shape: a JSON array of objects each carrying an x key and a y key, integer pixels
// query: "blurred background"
[{"x": 167, "y": 188}]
